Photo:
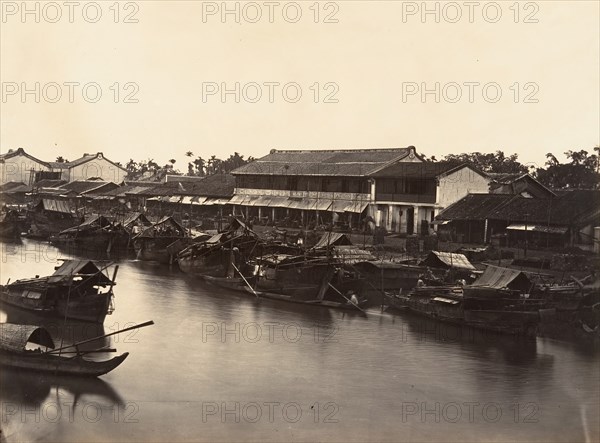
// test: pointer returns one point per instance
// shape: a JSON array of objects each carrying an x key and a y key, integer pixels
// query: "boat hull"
[
  {"x": 98, "y": 243},
  {"x": 313, "y": 302},
  {"x": 78, "y": 366},
  {"x": 155, "y": 249},
  {"x": 445, "y": 304},
  {"x": 9, "y": 230},
  {"x": 93, "y": 308}
]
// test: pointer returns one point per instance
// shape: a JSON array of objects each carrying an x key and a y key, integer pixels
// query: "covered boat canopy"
[
  {"x": 333, "y": 239},
  {"x": 137, "y": 218},
  {"x": 276, "y": 259},
  {"x": 238, "y": 225},
  {"x": 53, "y": 205},
  {"x": 79, "y": 268},
  {"x": 165, "y": 225},
  {"x": 446, "y": 260},
  {"x": 15, "y": 337},
  {"x": 499, "y": 278},
  {"x": 96, "y": 222},
  {"x": 351, "y": 254}
]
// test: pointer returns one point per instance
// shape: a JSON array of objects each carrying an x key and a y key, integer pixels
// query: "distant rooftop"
[{"x": 340, "y": 162}]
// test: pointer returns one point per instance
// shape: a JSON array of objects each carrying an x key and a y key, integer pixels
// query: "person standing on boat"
[{"x": 352, "y": 297}]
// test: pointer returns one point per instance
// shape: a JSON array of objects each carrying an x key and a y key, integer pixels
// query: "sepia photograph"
[{"x": 300, "y": 221}]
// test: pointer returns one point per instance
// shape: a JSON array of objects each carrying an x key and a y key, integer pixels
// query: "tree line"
[
  {"x": 580, "y": 171},
  {"x": 197, "y": 166}
]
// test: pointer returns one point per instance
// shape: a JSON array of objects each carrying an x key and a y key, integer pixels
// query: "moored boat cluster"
[{"x": 330, "y": 272}]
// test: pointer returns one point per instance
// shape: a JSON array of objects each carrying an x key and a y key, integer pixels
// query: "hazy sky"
[{"x": 375, "y": 61}]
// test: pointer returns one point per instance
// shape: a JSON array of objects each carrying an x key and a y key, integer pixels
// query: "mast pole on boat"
[
  {"x": 141, "y": 325},
  {"x": 244, "y": 278},
  {"x": 62, "y": 336},
  {"x": 346, "y": 298},
  {"x": 114, "y": 277}
]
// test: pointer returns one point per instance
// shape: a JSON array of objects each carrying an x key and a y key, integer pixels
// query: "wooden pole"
[
  {"x": 346, "y": 298},
  {"x": 245, "y": 281},
  {"x": 141, "y": 325}
]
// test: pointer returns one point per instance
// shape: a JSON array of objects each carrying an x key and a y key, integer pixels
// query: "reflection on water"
[{"x": 222, "y": 366}]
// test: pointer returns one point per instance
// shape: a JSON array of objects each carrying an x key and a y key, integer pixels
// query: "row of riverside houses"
[
  {"x": 19, "y": 166},
  {"x": 392, "y": 188}
]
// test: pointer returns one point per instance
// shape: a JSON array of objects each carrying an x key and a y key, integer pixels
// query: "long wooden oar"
[
  {"x": 141, "y": 325},
  {"x": 347, "y": 299},
  {"x": 90, "y": 352},
  {"x": 244, "y": 278}
]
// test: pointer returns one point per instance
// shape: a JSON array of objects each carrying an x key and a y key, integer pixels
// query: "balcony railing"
[{"x": 409, "y": 198}]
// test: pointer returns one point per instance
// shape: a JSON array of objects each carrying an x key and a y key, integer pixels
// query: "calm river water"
[{"x": 221, "y": 366}]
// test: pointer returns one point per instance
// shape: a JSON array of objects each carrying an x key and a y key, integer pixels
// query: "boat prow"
[{"x": 78, "y": 366}]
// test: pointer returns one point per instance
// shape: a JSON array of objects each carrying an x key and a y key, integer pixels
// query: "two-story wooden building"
[
  {"x": 408, "y": 196},
  {"x": 394, "y": 186}
]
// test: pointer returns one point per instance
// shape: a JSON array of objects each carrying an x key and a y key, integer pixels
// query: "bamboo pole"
[{"x": 141, "y": 325}]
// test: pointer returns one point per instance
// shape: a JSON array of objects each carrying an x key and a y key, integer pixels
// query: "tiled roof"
[
  {"x": 20, "y": 151},
  {"x": 505, "y": 178},
  {"x": 574, "y": 208},
  {"x": 183, "y": 178},
  {"x": 475, "y": 206},
  {"x": 422, "y": 170},
  {"x": 501, "y": 179},
  {"x": 122, "y": 191},
  {"x": 81, "y": 186},
  {"x": 81, "y": 160},
  {"x": 218, "y": 185},
  {"x": 48, "y": 183},
  {"x": 106, "y": 187},
  {"x": 6, "y": 187},
  {"x": 346, "y": 162},
  {"x": 22, "y": 188}
]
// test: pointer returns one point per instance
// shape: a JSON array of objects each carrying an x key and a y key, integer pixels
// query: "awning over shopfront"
[
  {"x": 167, "y": 199},
  {"x": 237, "y": 200},
  {"x": 323, "y": 205},
  {"x": 358, "y": 207},
  {"x": 216, "y": 201},
  {"x": 279, "y": 202},
  {"x": 305, "y": 204},
  {"x": 262, "y": 201},
  {"x": 537, "y": 228},
  {"x": 349, "y": 206},
  {"x": 193, "y": 200},
  {"x": 341, "y": 205}
]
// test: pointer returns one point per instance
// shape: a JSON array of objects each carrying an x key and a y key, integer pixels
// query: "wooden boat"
[
  {"x": 213, "y": 256},
  {"x": 136, "y": 223},
  {"x": 502, "y": 310},
  {"x": 17, "y": 348},
  {"x": 514, "y": 316},
  {"x": 78, "y": 289},
  {"x": 97, "y": 234},
  {"x": 388, "y": 277},
  {"x": 50, "y": 217},
  {"x": 307, "y": 278},
  {"x": 16, "y": 352},
  {"x": 152, "y": 243},
  {"x": 232, "y": 283},
  {"x": 347, "y": 304},
  {"x": 493, "y": 303},
  {"x": 10, "y": 225}
]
